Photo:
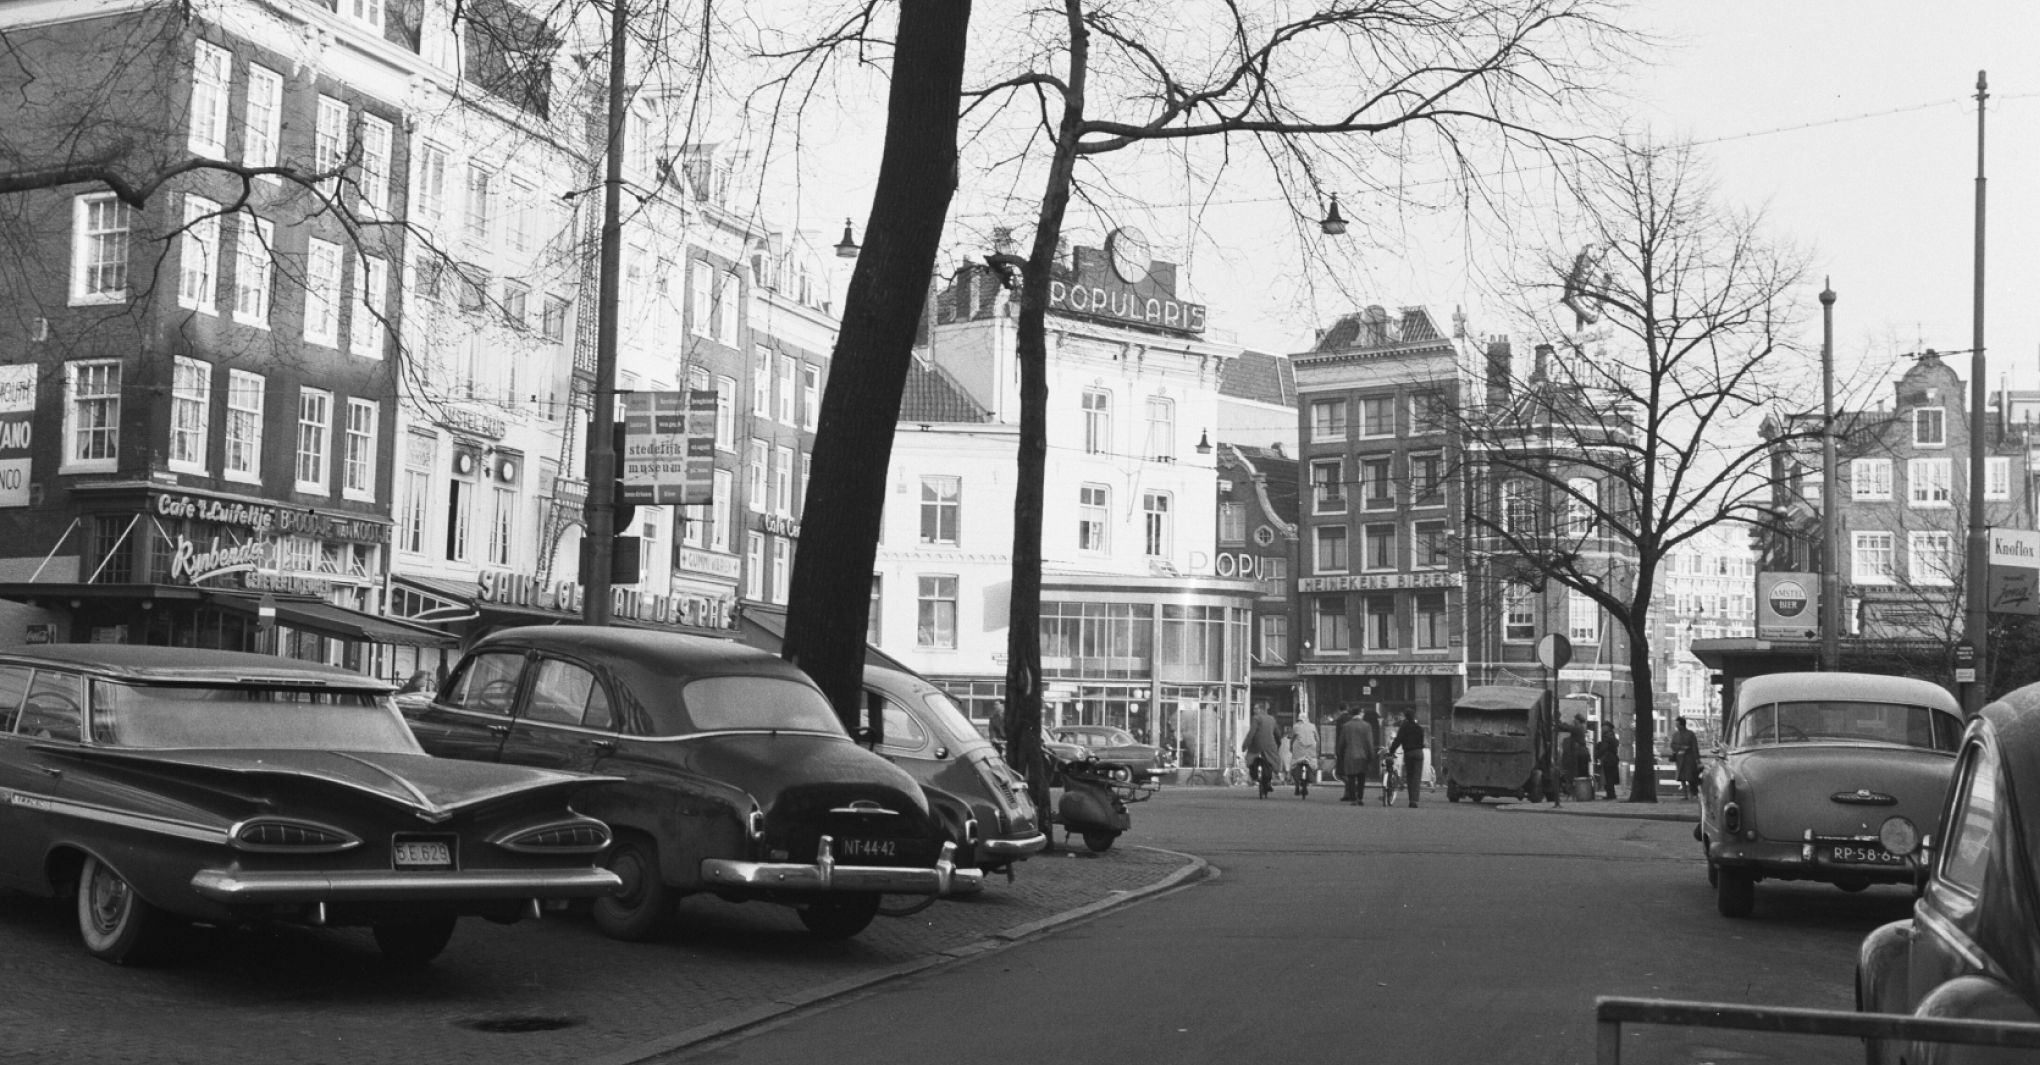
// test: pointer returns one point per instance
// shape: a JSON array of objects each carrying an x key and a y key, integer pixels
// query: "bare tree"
[{"x": 1637, "y": 435}]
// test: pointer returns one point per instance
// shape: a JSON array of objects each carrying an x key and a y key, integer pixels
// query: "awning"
[
  {"x": 338, "y": 622},
  {"x": 764, "y": 627},
  {"x": 456, "y": 599}
]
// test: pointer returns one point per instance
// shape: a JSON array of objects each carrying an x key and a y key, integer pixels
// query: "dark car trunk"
[
  {"x": 1839, "y": 789},
  {"x": 855, "y": 795}
]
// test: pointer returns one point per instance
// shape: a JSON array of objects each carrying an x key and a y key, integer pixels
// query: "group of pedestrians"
[{"x": 1359, "y": 754}]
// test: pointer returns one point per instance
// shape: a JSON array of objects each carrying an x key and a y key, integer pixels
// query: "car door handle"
[
  {"x": 499, "y": 730},
  {"x": 51, "y": 770},
  {"x": 605, "y": 746}
]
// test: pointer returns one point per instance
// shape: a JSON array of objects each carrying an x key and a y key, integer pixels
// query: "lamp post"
[
  {"x": 1976, "y": 613},
  {"x": 1830, "y": 577},
  {"x": 600, "y": 543}
]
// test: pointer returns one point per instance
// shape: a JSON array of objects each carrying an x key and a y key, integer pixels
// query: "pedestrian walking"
[
  {"x": 1409, "y": 739},
  {"x": 1579, "y": 756},
  {"x": 1686, "y": 759},
  {"x": 1608, "y": 752},
  {"x": 1263, "y": 748},
  {"x": 1354, "y": 753},
  {"x": 995, "y": 724},
  {"x": 1303, "y": 755}
]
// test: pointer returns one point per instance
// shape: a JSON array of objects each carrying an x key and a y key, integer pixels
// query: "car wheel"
[
  {"x": 1735, "y": 891},
  {"x": 413, "y": 944},
  {"x": 1452, "y": 792},
  {"x": 117, "y": 925},
  {"x": 644, "y": 907},
  {"x": 1099, "y": 841},
  {"x": 840, "y": 918}
]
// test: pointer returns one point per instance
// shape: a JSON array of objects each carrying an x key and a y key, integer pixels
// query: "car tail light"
[
  {"x": 1731, "y": 818},
  {"x": 970, "y": 830},
  {"x": 275, "y": 835},
  {"x": 582, "y": 835},
  {"x": 1899, "y": 835}
]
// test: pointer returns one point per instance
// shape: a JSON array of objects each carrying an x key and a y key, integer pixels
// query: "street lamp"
[
  {"x": 1332, "y": 224},
  {"x": 847, "y": 247}
]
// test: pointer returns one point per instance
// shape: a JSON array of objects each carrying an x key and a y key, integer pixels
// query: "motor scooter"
[{"x": 1094, "y": 801}]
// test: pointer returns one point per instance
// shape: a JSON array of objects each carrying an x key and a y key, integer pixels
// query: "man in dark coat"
[
  {"x": 1355, "y": 755},
  {"x": 1409, "y": 739},
  {"x": 1608, "y": 752}
]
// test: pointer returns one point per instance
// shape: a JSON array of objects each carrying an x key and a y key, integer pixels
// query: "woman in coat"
[
  {"x": 1356, "y": 751},
  {"x": 1686, "y": 759},
  {"x": 1303, "y": 755}
]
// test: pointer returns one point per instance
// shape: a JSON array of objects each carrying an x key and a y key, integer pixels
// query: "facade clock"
[{"x": 1128, "y": 249}]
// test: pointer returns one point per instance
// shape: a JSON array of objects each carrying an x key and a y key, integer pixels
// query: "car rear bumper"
[
  {"x": 1800, "y": 860},
  {"x": 825, "y": 874},
  {"x": 236, "y": 887},
  {"x": 1008, "y": 849}
]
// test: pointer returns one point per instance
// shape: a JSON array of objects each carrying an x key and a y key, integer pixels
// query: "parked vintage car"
[
  {"x": 1971, "y": 950},
  {"x": 929, "y": 736},
  {"x": 739, "y": 779},
  {"x": 159, "y": 784},
  {"x": 1818, "y": 776},
  {"x": 1110, "y": 745}
]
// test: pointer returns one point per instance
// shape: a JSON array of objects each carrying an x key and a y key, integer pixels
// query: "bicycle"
[
  {"x": 1264, "y": 775},
  {"x": 1390, "y": 780}
]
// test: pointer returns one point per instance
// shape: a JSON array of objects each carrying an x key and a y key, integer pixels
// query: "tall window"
[
  {"x": 936, "y": 624},
  {"x": 726, "y": 414},
  {"x": 941, "y": 509},
  {"x": 244, "y": 426},
  {"x": 367, "y": 12},
  {"x": 369, "y": 330},
  {"x": 428, "y": 192},
  {"x": 1930, "y": 426},
  {"x": 1333, "y": 631},
  {"x": 502, "y": 525},
  {"x": 1327, "y": 487},
  {"x": 252, "y": 270},
  {"x": 1328, "y": 419},
  {"x": 329, "y": 143},
  {"x": 1331, "y": 549},
  {"x": 212, "y": 76},
  {"x": 460, "y": 517},
  {"x": 1927, "y": 482},
  {"x": 1093, "y": 516},
  {"x": 191, "y": 414},
  {"x": 1380, "y": 541},
  {"x": 1429, "y": 412},
  {"x": 1870, "y": 558},
  {"x": 754, "y": 565},
  {"x": 264, "y": 117},
  {"x": 1519, "y": 508},
  {"x": 1274, "y": 639},
  {"x": 1380, "y": 622},
  {"x": 322, "y": 292},
  {"x": 720, "y": 513},
  {"x": 1519, "y": 613},
  {"x": 1870, "y": 478},
  {"x": 1232, "y": 523},
  {"x": 788, "y": 369},
  {"x": 375, "y": 163},
  {"x": 1161, "y": 427},
  {"x": 729, "y": 311},
  {"x": 1430, "y": 547},
  {"x": 1997, "y": 477},
  {"x": 1427, "y": 479},
  {"x": 314, "y": 438},
  {"x": 1274, "y": 576},
  {"x": 1933, "y": 557},
  {"x": 199, "y": 260},
  {"x": 1581, "y": 498},
  {"x": 1583, "y": 618},
  {"x": 1097, "y": 421},
  {"x": 754, "y": 476},
  {"x": 782, "y": 481},
  {"x": 358, "y": 460},
  {"x": 1160, "y": 522},
  {"x": 761, "y": 382},
  {"x": 99, "y": 249},
  {"x": 420, "y": 451},
  {"x": 481, "y": 202},
  {"x": 810, "y": 396},
  {"x": 1433, "y": 629},
  {"x": 782, "y": 568},
  {"x": 700, "y": 309},
  {"x": 1377, "y": 483},
  {"x": 93, "y": 414},
  {"x": 1377, "y": 416}
]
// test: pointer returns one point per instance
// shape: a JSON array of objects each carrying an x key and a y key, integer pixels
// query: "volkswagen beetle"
[{"x": 929, "y": 737}]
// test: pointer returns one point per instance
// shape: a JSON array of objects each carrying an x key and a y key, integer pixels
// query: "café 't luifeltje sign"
[{"x": 1124, "y": 284}]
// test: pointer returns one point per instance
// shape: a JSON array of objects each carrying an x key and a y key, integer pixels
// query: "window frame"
[
  {"x": 1371, "y": 414},
  {"x": 1094, "y": 518},
  {"x": 1859, "y": 551},
  {"x": 941, "y": 506},
  {"x": 100, "y": 250},
  {"x": 104, "y": 427},
  {"x": 199, "y": 255},
  {"x": 1322, "y": 537},
  {"x": 1929, "y": 426},
  {"x": 212, "y": 87},
  {"x": 241, "y": 458},
  {"x": 358, "y": 453},
  {"x": 1329, "y": 421},
  {"x": 254, "y": 296},
  {"x": 314, "y": 441},
  {"x": 1877, "y": 472},
  {"x": 1929, "y": 483},
  {"x": 191, "y": 415},
  {"x": 929, "y": 599}
]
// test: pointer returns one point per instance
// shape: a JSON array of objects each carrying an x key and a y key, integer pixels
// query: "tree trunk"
[
  {"x": 829, "y": 601},
  {"x": 1643, "y": 771}
]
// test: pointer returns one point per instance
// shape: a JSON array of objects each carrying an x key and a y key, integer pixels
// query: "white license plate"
[
  {"x": 1864, "y": 856},
  {"x": 424, "y": 854},
  {"x": 867, "y": 848}
]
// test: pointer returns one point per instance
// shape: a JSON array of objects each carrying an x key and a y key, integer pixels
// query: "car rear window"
[
  {"x": 162, "y": 716},
  {"x": 1830, "y": 720},
  {"x": 720, "y": 704}
]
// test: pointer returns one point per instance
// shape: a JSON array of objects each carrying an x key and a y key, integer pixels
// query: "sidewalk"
[{"x": 1665, "y": 809}]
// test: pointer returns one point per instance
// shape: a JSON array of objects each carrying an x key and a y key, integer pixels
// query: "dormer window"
[{"x": 1930, "y": 427}]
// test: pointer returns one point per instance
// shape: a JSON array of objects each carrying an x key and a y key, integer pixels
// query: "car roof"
[
  {"x": 152, "y": 664},
  {"x": 958, "y": 733},
  {"x": 1866, "y": 687},
  {"x": 666, "y": 654}
]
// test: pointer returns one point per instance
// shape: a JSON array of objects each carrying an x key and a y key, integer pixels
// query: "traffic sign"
[{"x": 1554, "y": 651}]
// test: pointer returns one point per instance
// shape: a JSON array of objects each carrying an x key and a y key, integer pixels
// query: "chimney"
[
  {"x": 1002, "y": 238},
  {"x": 1541, "y": 370},
  {"x": 1498, "y": 370},
  {"x": 1374, "y": 333}
]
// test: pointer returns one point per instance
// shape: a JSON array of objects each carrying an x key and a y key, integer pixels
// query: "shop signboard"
[
  {"x": 1788, "y": 606},
  {"x": 2014, "y": 572},
  {"x": 17, "y": 408},
  {"x": 668, "y": 448}
]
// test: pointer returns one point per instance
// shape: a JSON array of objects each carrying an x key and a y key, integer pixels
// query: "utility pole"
[
  {"x": 1830, "y": 577},
  {"x": 598, "y": 547},
  {"x": 1976, "y": 615}
]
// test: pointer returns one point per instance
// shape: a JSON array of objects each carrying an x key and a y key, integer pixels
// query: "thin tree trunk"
[
  {"x": 1643, "y": 774},
  {"x": 829, "y": 601}
]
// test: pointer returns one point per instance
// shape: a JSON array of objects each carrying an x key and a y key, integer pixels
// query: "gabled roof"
[
  {"x": 1277, "y": 472},
  {"x": 931, "y": 396},
  {"x": 1260, "y": 377}
]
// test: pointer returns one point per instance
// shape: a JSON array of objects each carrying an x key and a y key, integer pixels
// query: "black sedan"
[
  {"x": 739, "y": 780},
  {"x": 163, "y": 784},
  {"x": 1971, "y": 950}
]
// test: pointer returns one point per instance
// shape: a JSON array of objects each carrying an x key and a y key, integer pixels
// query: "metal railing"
[{"x": 1611, "y": 1013}]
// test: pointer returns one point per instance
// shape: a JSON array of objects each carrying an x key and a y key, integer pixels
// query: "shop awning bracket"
[{"x": 54, "y": 548}]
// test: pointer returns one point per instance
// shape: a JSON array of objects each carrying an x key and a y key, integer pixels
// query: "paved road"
[{"x": 1447, "y": 933}]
